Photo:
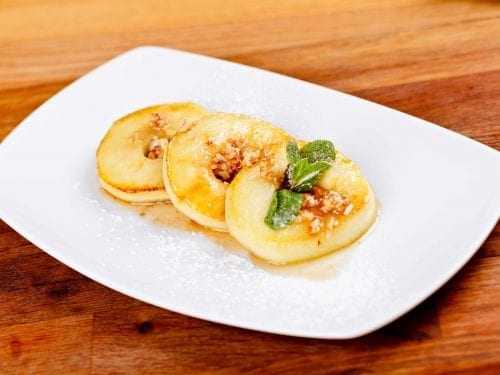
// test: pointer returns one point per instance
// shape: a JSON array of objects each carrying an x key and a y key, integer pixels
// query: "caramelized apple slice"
[
  {"x": 129, "y": 158},
  {"x": 201, "y": 162},
  {"x": 336, "y": 213}
]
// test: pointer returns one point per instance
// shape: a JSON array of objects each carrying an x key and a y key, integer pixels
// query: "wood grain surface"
[{"x": 438, "y": 60}]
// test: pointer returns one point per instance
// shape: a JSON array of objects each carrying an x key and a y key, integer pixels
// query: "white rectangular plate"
[{"x": 438, "y": 193}]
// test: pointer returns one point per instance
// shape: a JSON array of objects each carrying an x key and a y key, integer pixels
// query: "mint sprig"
[{"x": 304, "y": 170}]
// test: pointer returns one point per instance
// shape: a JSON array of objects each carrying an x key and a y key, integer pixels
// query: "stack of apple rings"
[{"x": 224, "y": 170}]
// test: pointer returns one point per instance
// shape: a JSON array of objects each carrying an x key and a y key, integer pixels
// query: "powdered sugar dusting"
[{"x": 186, "y": 268}]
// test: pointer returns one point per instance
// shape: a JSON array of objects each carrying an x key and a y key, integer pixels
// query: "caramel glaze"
[{"x": 164, "y": 214}]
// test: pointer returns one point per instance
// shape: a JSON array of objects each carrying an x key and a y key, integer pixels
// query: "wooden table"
[{"x": 438, "y": 60}]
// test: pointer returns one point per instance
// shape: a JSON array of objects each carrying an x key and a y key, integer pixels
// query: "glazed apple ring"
[
  {"x": 200, "y": 163},
  {"x": 129, "y": 158},
  {"x": 338, "y": 210}
]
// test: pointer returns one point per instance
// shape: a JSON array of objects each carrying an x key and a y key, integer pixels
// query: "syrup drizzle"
[{"x": 325, "y": 267}]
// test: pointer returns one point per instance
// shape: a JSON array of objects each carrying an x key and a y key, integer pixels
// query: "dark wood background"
[{"x": 438, "y": 60}]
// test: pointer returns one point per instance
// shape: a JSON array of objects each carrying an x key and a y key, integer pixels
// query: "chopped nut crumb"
[
  {"x": 309, "y": 201},
  {"x": 250, "y": 157},
  {"x": 305, "y": 215},
  {"x": 233, "y": 155},
  {"x": 328, "y": 201},
  {"x": 320, "y": 206},
  {"x": 348, "y": 209},
  {"x": 160, "y": 124},
  {"x": 315, "y": 225},
  {"x": 156, "y": 147},
  {"x": 157, "y": 121}
]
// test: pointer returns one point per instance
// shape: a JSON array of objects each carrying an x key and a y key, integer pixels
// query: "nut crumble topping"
[
  {"x": 332, "y": 222},
  {"x": 159, "y": 143},
  {"x": 156, "y": 147},
  {"x": 233, "y": 155},
  {"x": 348, "y": 209},
  {"x": 267, "y": 168},
  {"x": 315, "y": 225},
  {"x": 327, "y": 201},
  {"x": 320, "y": 207},
  {"x": 160, "y": 124},
  {"x": 157, "y": 121}
]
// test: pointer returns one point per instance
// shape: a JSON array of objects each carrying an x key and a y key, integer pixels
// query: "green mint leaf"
[
  {"x": 292, "y": 152},
  {"x": 305, "y": 175},
  {"x": 319, "y": 150},
  {"x": 284, "y": 208}
]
